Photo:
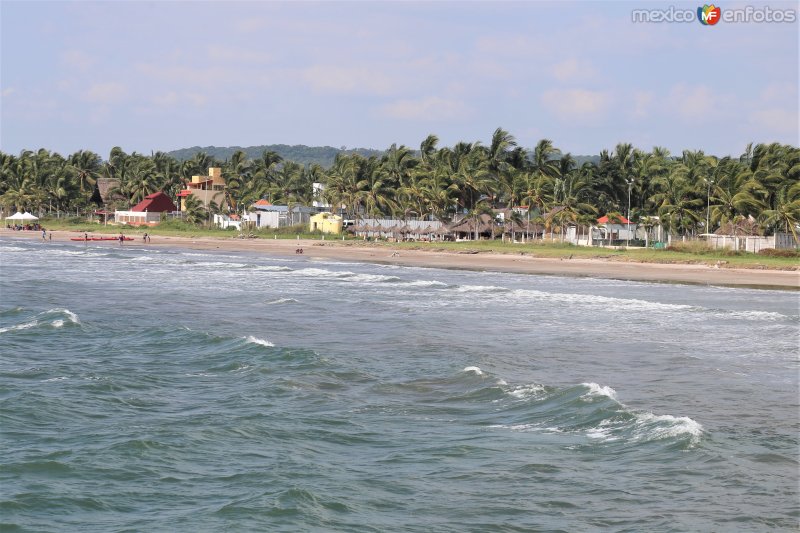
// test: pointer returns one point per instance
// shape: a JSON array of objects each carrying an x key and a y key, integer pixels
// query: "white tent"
[
  {"x": 16, "y": 216},
  {"x": 28, "y": 216}
]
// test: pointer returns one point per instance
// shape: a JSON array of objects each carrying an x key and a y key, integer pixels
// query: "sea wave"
[
  {"x": 281, "y": 301},
  {"x": 52, "y": 318},
  {"x": 598, "y": 390},
  {"x": 575, "y": 410},
  {"x": 255, "y": 340}
]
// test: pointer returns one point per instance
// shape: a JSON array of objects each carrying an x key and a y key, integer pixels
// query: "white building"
[{"x": 263, "y": 214}]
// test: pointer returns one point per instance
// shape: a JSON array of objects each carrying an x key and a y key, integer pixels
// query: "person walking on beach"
[
  {"x": 44, "y": 234},
  {"x": 50, "y": 235},
  {"x": 145, "y": 238},
  {"x": 121, "y": 238}
]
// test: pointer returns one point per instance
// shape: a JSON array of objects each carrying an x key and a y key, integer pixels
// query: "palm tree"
[
  {"x": 194, "y": 212},
  {"x": 87, "y": 167},
  {"x": 787, "y": 210}
]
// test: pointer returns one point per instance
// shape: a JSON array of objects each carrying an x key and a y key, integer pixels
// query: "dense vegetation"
[{"x": 762, "y": 185}]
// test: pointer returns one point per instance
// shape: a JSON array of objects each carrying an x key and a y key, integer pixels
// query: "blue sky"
[{"x": 150, "y": 76}]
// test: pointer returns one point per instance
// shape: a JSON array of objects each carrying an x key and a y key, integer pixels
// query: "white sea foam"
[
  {"x": 474, "y": 370},
  {"x": 526, "y": 391},
  {"x": 62, "y": 378},
  {"x": 255, "y": 340},
  {"x": 18, "y": 327},
  {"x": 607, "y": 303},
  {"x": 755, "y": 315},
  {"x": 273, "y": 268},
  {"x": 597, "y": 390},
  {"x": 425, "y": 283},
  {"x": 373, "y": 278},
  {"x": 72, "y": 317},
  {"x": 282, "y": 301},
  {"x": 322, "y": 273},
  {"x": 480, "y": 288},
  {"x": 57, "y": 323},
  {"x": 12, "y": 249},
  {"x": 655, "y": 427}
]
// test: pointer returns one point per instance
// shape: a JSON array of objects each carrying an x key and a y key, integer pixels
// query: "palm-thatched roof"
[
  {"x": 482, "y": 224},
  {"x": 102, "y": 190},
  {"x": 746, "y": 227}
]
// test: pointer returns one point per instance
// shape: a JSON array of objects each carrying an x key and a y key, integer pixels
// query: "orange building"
[{"x": 207, "y": 189}]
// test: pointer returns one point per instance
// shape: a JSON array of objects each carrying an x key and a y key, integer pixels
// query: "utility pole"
[
  {"x": 709, "y": 183},
  {"x": 630, "y": 186}
]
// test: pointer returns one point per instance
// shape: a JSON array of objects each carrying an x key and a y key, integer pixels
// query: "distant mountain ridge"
[
  {"x": 299, "y": 153},
  {"x": 305, "y": 155}
]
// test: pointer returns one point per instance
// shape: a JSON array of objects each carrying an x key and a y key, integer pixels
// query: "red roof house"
[
  {"x": 620, "y": 220},
  {"x": 158, "y": 202}
]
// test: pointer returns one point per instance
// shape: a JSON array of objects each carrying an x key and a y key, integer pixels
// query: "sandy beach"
[{"x": 490, "y": 262}]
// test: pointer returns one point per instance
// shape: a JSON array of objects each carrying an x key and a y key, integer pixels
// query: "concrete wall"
[{"x": 752, "y": 244}]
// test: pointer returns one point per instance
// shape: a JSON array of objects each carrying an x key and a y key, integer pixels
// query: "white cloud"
[
  {"x": 8, "y": 91},
  {"x": 777, "y": 121},
  {"x": 325, "y": 78},
  {"x": 235, "y": 54},
  {"x": 426, "y": 108},
  {"x": 76, "y": 59},
  {"x": 694, "y": 103},
  {"x": 165, "y": 99},
  {"x": 642, "y": 104},
  {"x": 576, "y": 103},
  {"x": 572, "y": 69},
  {"x": 106, "y": 93},
  {"x": 511, "y": 45}
]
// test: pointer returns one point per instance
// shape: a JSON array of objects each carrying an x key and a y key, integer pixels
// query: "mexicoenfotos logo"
[{"x": 708, "y": 15}]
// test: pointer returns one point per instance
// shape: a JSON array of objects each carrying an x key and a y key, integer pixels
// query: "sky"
[{"x": 150, "y": 76}]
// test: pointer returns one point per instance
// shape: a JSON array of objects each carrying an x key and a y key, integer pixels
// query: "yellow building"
[
  {"x": 207, "y": 189},
  {"x": 326, "y": 223}
]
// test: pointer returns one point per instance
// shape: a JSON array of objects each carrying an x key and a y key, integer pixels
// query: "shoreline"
[{"x": 694, "y": 274}]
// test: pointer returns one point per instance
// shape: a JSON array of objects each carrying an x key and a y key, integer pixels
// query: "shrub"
[
  {"x": 691, "y": 247},
  {"x": 772, "y": 252}
]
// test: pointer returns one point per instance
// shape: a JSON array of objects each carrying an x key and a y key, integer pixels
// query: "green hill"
[
  {"x": 305, "y": 155},
  {"x": 299, "y": 153}
]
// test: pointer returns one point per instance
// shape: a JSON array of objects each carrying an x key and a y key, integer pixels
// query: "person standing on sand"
[
  {"x": 44, "y": 234},
  {"x": 50, "y": 235},
  {"x": 121, "y": 238}
]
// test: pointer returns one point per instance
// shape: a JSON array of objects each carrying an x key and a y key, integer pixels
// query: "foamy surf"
[
  {"x": 41, "y": 319},
  {"x": 282, "y": 301},
  {"x": 598, "y": 390},
  {"x": 255, "y": 340},
  {"x": 473, "y": 370}
]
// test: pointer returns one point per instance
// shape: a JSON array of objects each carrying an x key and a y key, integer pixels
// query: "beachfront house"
[
  {"x": 148, "y": 212},
  {"x": 228, "y": 221},
  {"x": 263, "y": 214},
  {"x": 614, "y": 230},
  {"x": 326, "y": 223},
  {"x": 207, "y": 189}
]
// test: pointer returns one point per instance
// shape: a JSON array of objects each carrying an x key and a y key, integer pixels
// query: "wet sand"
[{"x": 491, "y": 262}]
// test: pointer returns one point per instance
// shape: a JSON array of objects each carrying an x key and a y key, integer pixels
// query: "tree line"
[{"x": 690, "y": 193}]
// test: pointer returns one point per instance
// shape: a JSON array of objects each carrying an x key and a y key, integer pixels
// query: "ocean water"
[{"x": 152, "y": 389}]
